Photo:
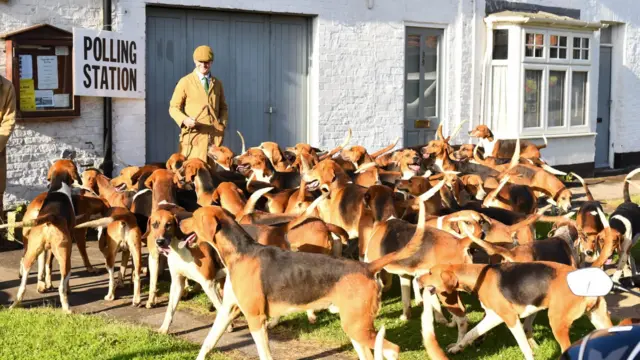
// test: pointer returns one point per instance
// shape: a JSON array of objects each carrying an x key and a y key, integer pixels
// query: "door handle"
[{"x": 599, "y": 120}]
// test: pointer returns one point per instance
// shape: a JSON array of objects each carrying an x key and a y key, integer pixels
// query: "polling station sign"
[{"x": 108, "y": 64}]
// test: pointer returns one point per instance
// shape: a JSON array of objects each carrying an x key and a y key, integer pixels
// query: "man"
[
  {"x": 7, "y": 123},
  {"x": 199, "y": 107}
]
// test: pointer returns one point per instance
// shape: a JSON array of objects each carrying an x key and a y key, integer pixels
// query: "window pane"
[
  {"x": 553, "y": 40},
  {"x": 585, "y": 43},
  {"x": 532, "y": 98},
  {"x": 585, "y": 54},
  {"x": 554, "y": 53},
  {"x": 412, "y": 87},
  {"x": 500, "y": 44},
  {"x": 539, "y": 39},
  {"x": 430, "y": 76},
  {"x": 499, "y": 95},
  {"x": 576, "y": 54},
  {"x": 605, "y": 35},
  {"x": 563, "y": 53},
  {"x": 528, "y": 51},
  {"x": 563, "y": 41},
  {"x": 578, "y": 97},
  {"x": 529, "y": 39},
  {"x": 576, "y": 42},
  {"x": 556, "y": 98},
  {"x": 538, "y": 52}
]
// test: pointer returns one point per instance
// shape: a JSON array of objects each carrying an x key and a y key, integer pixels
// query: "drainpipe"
[{"x": 107, "y": 166}]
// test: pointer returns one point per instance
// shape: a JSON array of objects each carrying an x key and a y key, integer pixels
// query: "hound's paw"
[
  {"x": 532, "y": 343},
  {"x": 136, "y": 303},
  {"x": 92, "y": 270},
  {"x": 454, "y": 348},
  {"x": 119, "y": 283},
  {"x": 312, "y": 319},
  {"x": 67, "y": 311},
  {"x": 404, "y": 317},
  {"x": 42, "y": 288},
  {"x": 109, "y": 297},
  {"x": 163, "y": 330},
  {"x": 150, "y": 304},
  {"x": 230, "y": 328},
  {"x": 270, "y": 325}
]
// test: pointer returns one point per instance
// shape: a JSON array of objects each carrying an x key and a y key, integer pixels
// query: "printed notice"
[
  {"x": 44, "y": 98},
  {"x": 62, "y": 50},
  {"x": 61, "y": 100},
  {"x": 47, "y": 73},
  {"x": 27, "y": 95},
  {"x": 26, "y": 67}
]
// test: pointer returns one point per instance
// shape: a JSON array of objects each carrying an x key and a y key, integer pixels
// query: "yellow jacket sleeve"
[
  {"x": 177, "y": 102},
  {"x": 224, "y": 110},
  {"x": 8, "y": 113}
]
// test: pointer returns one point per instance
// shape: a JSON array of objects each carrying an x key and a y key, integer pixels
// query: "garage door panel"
[
  {"x": 250, "y": 92},
  {"x": 288, "y": 79},
  {"x": 165, "y": 66},
  {"x": 260, "y": 59}
]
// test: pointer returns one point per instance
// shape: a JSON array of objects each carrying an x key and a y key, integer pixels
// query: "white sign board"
[{"x": 108, "y": 64}]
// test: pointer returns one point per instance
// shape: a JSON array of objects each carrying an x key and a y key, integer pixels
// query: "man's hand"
[{"x": 189, "y": 123}]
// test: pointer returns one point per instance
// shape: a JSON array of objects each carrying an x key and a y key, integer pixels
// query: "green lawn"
[
  {"x": 46, "y": 333},
  {"x": 498, "y": 344}
]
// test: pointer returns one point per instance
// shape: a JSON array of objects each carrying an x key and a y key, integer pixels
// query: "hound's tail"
[
  {"x": 584, "y": 186},
  {"x": 415, "y": 242},
  {"x": 543, "y": 145},
  {"x": 627, "y": 181},
  {"x": 490, "y": 248},
  {"x": 384, "y": 150},
  {"x": 343, "y": 236},
  {"x": 338, "y": 148},
  {"x": 30, "y": 223},
  {"x": 250, "y": 206},
  {"x": 98, "y": 223}
]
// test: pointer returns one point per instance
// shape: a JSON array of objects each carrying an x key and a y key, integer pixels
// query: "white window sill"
[{"x": 557, "y": 136}]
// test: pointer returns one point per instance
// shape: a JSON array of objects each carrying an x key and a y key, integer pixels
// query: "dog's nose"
[
  {"x": 589, "y": 252},
  {"x": 162, "y": 242}
]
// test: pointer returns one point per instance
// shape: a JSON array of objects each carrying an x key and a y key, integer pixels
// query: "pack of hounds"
[{"x": 270, "y": 231}]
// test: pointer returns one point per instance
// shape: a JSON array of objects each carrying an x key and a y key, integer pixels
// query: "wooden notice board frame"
[{"x": 55, "y": 100}]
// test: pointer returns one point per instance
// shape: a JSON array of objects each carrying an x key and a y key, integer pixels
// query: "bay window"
[{"x": 539, "y": 74}]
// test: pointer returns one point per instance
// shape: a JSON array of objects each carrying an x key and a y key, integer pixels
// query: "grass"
[
  {"x": 498, "y": 344},
  {"x": 47, "y": 333},
  {"x": 195, "y": 301},
  {"x": 612, "y": 204}
]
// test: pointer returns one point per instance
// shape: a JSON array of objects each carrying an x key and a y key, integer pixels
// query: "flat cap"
[{"x": 203, "y": 53}]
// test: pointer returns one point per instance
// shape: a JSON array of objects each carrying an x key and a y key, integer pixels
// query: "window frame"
[
  {"x": 568, "y": 47},
  {"x": 545, "y": 44},
  {"x": 548, "y": 64}
]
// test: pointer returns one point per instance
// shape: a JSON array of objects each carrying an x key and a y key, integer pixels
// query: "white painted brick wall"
[
  {"x": 356, "y": 75},
  {"x": 32, "y": 145}
]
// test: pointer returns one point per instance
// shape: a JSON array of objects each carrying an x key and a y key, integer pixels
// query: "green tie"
[{"x": 205, "y": 82}]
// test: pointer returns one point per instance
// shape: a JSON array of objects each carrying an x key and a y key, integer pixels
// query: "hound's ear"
[
  {"x": 449, "y": 280},
  {"x": 146, "y": 233},
  {"x": 149, "y": 182},
  {"x": 50, "y": 173},
  {"x": 215, "y": 197},
  {"x": 76, "y": 176},
  {"x": 366, "y": 199},
  {"x": 316, "y": 150}
]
